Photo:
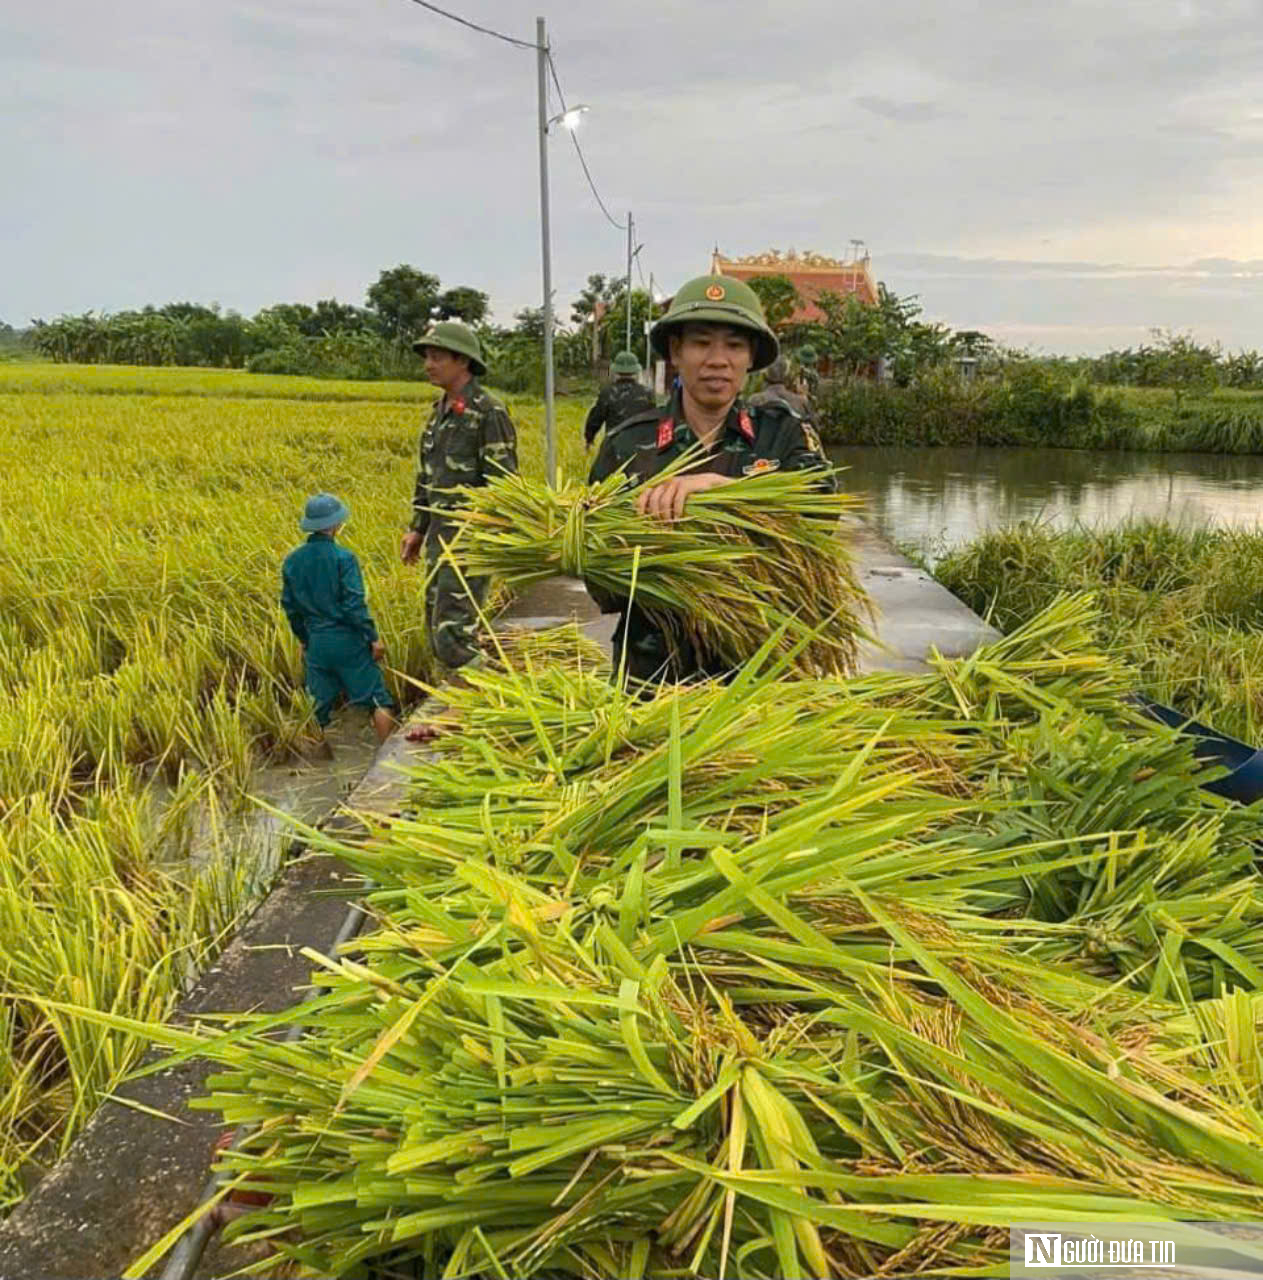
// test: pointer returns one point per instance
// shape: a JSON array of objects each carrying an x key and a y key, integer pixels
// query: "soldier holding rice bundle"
[{"x": 715, "y": 334}]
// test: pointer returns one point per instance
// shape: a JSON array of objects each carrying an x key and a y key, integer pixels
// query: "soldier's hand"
[
  {"x": 410, "y": 547},
  {"x": 379, "y": 650},
  {"x": 666, "y": 501}
]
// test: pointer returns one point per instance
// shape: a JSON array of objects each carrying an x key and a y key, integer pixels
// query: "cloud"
[
  {"x": 1048, "y": 156},
  {"x": 902, "y": 112}
]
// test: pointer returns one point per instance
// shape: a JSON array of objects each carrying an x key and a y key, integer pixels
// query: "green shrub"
[{"x": 1036, "y": 404}]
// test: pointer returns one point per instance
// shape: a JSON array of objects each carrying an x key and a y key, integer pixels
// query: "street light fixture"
[{"x": 570, "y": 118}]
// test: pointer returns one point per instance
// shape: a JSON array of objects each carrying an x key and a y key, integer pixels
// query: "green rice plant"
[
  {"x": 1182, "y": 607},
  {"x": 92, "y": 917},
  {"x": 141, "y": 640},
  {"x": 717, "y": 576},
  {"x": 769, "y": 977}
]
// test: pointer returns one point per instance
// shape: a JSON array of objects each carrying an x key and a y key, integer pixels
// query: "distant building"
[{"x": 810, "y": 273}]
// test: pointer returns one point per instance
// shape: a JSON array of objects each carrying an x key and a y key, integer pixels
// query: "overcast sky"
[{"x": 1063, "y": 176}]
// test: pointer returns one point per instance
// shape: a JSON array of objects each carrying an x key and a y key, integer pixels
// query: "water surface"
[{"x": 935, "y": 499}]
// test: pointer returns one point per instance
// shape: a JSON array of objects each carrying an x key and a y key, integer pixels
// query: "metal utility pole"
[
  {"x": 630, "y": 237},
  {"x": 550, "y": 426}
]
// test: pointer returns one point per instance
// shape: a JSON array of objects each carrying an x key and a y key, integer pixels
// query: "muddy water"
[{"x": 254, "y": 830}]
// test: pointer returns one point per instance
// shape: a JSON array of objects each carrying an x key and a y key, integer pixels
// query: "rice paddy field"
[
  {"x": 147, "y": 672},
  {"x": 798, "y": 974},
  {"x": 1183, "y": 607}
]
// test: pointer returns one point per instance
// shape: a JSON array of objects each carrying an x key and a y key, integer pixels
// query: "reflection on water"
[
  {"x": 934, "y": 499},
  {"x": 303, "y": 791}
]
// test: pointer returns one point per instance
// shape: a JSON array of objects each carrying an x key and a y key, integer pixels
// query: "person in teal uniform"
[{"x": 322, "y": 593}]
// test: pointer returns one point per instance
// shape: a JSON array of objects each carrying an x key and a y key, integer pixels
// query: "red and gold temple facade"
[{"x": 810, "y": 273}]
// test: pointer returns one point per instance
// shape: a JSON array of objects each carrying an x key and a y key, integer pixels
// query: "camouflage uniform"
[
  {"x": 775, "y": 391},
  {"x": 779, "y": 393},
  {"x": 763, "y": 437},
  {"x": 617, "y": 401},
  {"x": 467, "y": 440}
]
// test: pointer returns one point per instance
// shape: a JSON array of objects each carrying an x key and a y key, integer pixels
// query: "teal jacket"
[{"x": 322, "y": 589}]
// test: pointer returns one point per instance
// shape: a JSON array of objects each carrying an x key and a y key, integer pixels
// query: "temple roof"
[{"x": 811, "y": 274}]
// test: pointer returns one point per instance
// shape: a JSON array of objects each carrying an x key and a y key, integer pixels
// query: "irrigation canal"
[
  {"x": 936, "y": 499},
  {"x": 134, "y": 1174}
]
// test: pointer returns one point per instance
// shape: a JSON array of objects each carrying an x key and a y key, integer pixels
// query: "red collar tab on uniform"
[
  {"x": 457, "y": 405},
  {"x": 666, "y": 433},
  {"x": 745, "y": 425}
]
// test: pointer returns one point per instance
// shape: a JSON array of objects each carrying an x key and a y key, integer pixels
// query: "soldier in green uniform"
[
  {"x": 775, "y": 387},
  {"x": 618, "y": 399},
  {"x": 467, "y": 440},
  {"x": 714, "y": 334}
]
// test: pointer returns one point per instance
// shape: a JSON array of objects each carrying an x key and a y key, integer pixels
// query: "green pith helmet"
[
  {"x": 718, "y": 300},
  {"x": 451, "y": 335},
  {"x": 806, "y": 356},
  {"x": 626, "y": 363}
]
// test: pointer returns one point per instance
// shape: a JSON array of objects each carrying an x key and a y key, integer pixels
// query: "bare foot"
[
  {"x": 383, "y": 723},
  {"x": 423, "y": 733}
]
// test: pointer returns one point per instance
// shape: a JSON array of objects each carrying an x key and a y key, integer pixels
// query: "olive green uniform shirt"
[
  {"x": 778, "y": 391},
  {"x": 616, "y": 402},
  {"x": 764, "y": 437}
]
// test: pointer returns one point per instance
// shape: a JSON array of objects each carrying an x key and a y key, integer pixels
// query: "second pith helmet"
[
  {"x": 451, "y": 335},
  {"x": 625, "y": 362}
]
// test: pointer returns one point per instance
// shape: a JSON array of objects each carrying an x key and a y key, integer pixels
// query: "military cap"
[
  {"x": 718, "y": 300},
  {"x": 451, "y": 335}
]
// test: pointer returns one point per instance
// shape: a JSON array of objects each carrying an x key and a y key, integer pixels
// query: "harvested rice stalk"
[
  {"x": 771, "y": 978},
  {"x": 746, "y": 558}
]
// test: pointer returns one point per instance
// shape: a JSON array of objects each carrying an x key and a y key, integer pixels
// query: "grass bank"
[
  {"x": 1035, "y": 406},
  {"x": 146, "y": 513},
  {"x": 1183, "y": 608}
]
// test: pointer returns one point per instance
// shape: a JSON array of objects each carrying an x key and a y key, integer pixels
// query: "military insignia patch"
[
  {"x": 666, "y": 432},
  {"x": 760, "y": 466},
  {"x": 813, "y": 438},
  {"x": 745, "y": 426},
  {"x": 458, "y": 405},
  {"x": 715, "y": 293}
]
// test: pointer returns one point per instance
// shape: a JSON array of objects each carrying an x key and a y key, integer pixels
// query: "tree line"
[
  {"x": 331, "y": 338},
  {"x": 1174, "y": 360}
]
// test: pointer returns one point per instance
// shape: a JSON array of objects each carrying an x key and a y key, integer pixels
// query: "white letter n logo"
[{"x": 1043, "y": 1250}]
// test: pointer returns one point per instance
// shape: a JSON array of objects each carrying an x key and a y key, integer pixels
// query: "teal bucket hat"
[{"x": 322, "y": 512}]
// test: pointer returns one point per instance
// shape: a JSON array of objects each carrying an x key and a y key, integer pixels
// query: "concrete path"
[{"x": 914, "y": 612}]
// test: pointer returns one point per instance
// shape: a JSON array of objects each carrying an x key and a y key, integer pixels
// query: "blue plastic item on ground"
[{"x": 1244, "y": 781}]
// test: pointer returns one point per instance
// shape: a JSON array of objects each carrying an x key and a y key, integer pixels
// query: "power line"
[
  {"x": 574, "y": 137},
  {"x": 473, "y": 26},
  {"x": 552, "y": 67}
]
